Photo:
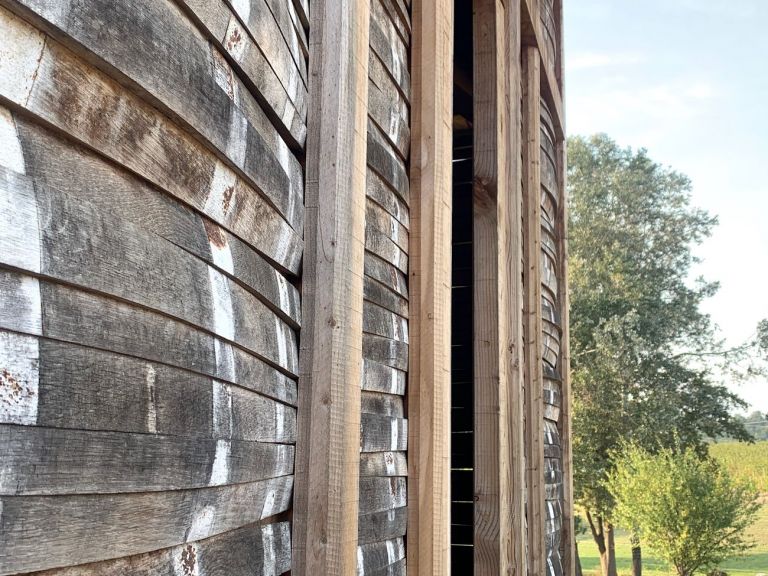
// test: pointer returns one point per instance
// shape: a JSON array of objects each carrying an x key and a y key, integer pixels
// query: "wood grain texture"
[
  {"x": 99, "y": 251},
  {"x": 388, "y": 108},
  {"x": 378, "y": 191},
  {"x": 383, "y": 433},
  {"x": 328, "y": 451},
  {"x": 377, "y": 557},
  {"x": 74, "y": 97},
  {"x": 532, "y": 310},
  {"x": 61, "y": 313},
  {"x": 66, "y": 168},
  {"x": 383, "y": 464},
  {"x": 379, "y": 526},
  {"x": 143, "y": 31},
  {"x": 387, "y": 44},
  {"x": 380, "y": 494},
  {"x": 261, "y": 548},
  {"x": 430, "y": 290},
  {"x": 79, "y": 529}
]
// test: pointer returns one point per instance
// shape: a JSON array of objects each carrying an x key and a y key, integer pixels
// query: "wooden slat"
[
  {"x": 379, "y": 377},
  {"x": 382, "y": 322},
  {"x": 264, "y": 548},
  {"x": 290, "y": 27},
  {"x": 387, "y": 107},
  {"x": 430, "y": 290},
  {"x": 375, "y": 557},
  {"x": 383, "y": 350},
  {"x": 387, "y": 274},
  {"x": 382, "y": 404},
  {"x": 383, "y": 464},
  {"x": 40, "y": 308},
  {"x": 90, "y": 528},
  {"x": 376, "y": 292},
  {"x": 383, "y": 222},
  {"x": 386, "y": 162},
  {"x": 383, "y": 433},
  {"x": 50, "y": 461},
  {"x": 328, "y": 451},
  {"x": 80, "y": 245},
  {"x": 259, "y": 51},
  {"x": 378, "y": 243},
  {"x": 64, "y": 167},
  {"x": 382, "y": 525},
  {"x": 532, "y": 309},
  {"x": 381, "y": 494},
  {"x": 383, "y": 195},
  {"x": 87, "y": 389},
  {"x": 144, "y": 31},
  {"x": 52, "y": 84},
  {"x": 390, "y": 48}
]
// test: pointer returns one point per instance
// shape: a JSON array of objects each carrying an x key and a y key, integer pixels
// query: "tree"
[
  {"x": 644, "y": 357},
  {"x": 687, "y": 508}
]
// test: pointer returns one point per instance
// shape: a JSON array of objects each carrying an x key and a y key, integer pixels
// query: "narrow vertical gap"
[{"x": 462, "y": 353}]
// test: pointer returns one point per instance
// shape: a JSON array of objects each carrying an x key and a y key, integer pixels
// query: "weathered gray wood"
[
  {"x": 382, "y": 221},
  {"x": 51, "y": 83},
  {"x": 68, "y": 168},
  {"x": 378, "y": 555},
  {"x": 84, "y": 246},
  {"x": 382, "y": 322},
  {"x": 387, "y": 107},
  {"x": 382, "y": 404},
  {"x": 253, "y": 549},
  {"x": 390, "y": 48},
  {"x": 302, "y": 9},
  {"x": 398, "y": 13},
  {"x": 382, "y": 246},
  {"x": 396, "y": 569},
  {"x": 50, "y": 461},
  {"x": 387, "y": 274},
  {"x": 386, "y": 162},
  {"x": 259, "y": 51},
  {"x": 376, "y": 292},
  {"x": 382, "y": 433},
  {"x": 385, "y": 351},
  {"x": 384, "y": 525},
  {"x": 378, "y": 377},
  {"x": 62, "y": 313},
  {"x": 381, "y": 494},
  {"x": 90, "y": 528},
  {"x": 290, "y": 26},
  {"x": 383, "y": 195},
  {"x": 383, "y": 464},
  {"x": 87, "y": 389},
  {"x": 144, "y": 31}
]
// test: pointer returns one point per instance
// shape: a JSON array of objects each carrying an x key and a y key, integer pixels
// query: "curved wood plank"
[
  {"x": 49, "y": 461},
  {"x": 381, "y": 295},
  {"x": 387, "y": 274},
  {"x": 383, "y": 464},
  {"x": 382, "y": 221},
  {"x": 262, "y": 548},
  {"x": 381, "y": 494},
  {"x": 382, "y": 322},
  {"x": 383, "y": 433},
  {"x": 386, "y": 162},
  {"x": 387, "y": 107},
  {"x": 380, "y": 526},
  {"x": 379, "y": 192},
  {"x": 90, "y": 528},
  {"x": 383, "y": 404},
  {"x": 389, "y": 47},
  {"x": 379, "y": 377},
  {"x": 58, "y": 312},
  {"x": 382, "y": 246},
  {"x": 379, "y": 555},
  {"x": 75, "y": 98},
  {"x": 385, "y": 351},
  {"x": 185, "y": 79},
  {"x": 87, "y": 389},
  {"x": 290, "y": 26},
  {"x": 84, "y": 246}
]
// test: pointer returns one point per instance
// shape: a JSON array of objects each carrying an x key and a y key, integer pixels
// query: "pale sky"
[{"x": 688, "y": 80}]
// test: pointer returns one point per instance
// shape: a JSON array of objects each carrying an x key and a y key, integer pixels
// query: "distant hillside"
[{"x": 748, "y": 461}]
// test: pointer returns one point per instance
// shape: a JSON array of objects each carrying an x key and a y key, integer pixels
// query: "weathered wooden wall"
[
  {"x": 384, "y": 425},
  {"x": 151, "y": 191}
]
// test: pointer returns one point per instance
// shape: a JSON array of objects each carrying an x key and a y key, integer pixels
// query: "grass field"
[{"x": 742, "y": 461}]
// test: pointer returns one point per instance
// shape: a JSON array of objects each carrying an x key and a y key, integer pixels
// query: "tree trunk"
[
  {"x": 577, "y": 560},
  {"x": 602, "y": 533},
  {"x": 637, "y": 557}
]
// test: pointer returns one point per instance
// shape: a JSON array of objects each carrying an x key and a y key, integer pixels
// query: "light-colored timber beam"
[
  {"x": 532, "y": 315},
  {"x": 328, "y": 449},
  {"x": 429, "y": 386}
]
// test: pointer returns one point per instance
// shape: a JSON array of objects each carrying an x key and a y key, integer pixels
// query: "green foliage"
[
  {"x": 642, "y": 351},
  {"x": 687, "y": 509},
  {"x": 744, "y": 461}
]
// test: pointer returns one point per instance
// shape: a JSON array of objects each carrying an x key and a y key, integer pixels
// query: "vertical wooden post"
[
  {"x": 429, "y": 386},
  {"x": 515, "y": 358},
  {"x": 493, "y": 527},
  {"x": 532, "y": 309},
  {"x": 328, "y": 450}
]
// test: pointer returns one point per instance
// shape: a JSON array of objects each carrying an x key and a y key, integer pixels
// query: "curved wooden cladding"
[
  {"x": 550, "y": 32},
  {"x": 153, "y": 208},
  {"x": 384, "y": 427},
  {"x": 551, "y": 305}
]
